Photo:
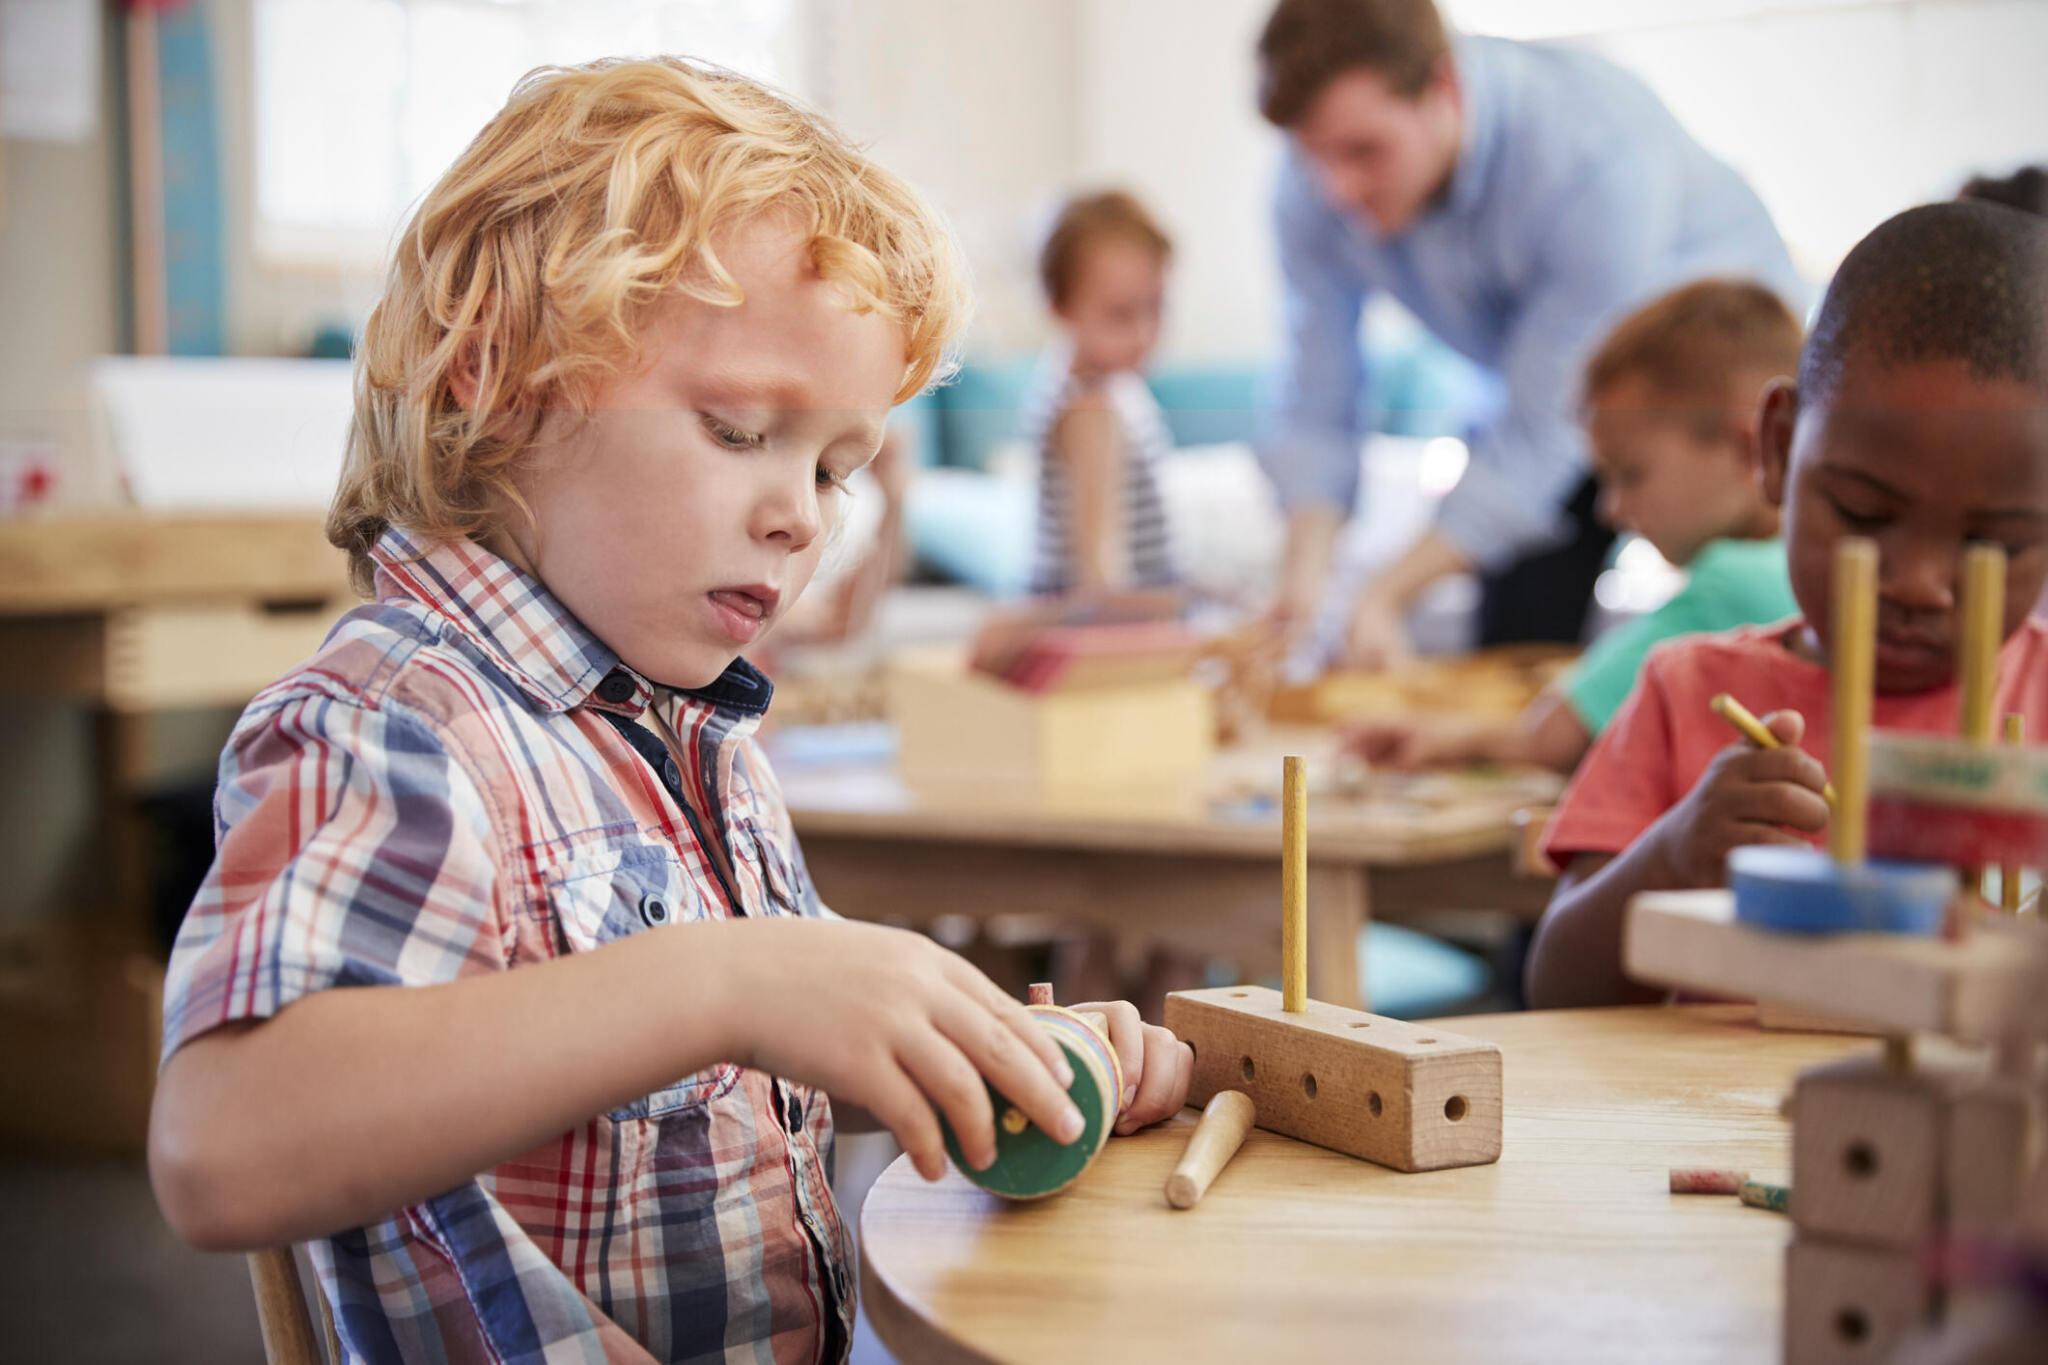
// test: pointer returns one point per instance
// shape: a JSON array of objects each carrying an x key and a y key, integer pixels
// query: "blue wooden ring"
[{"x": 1803, "y": 891}]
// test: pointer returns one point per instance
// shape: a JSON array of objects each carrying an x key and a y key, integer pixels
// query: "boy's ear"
[
  {"x": 1777, "y": 414},
  {"x": 462, "y": 375}
]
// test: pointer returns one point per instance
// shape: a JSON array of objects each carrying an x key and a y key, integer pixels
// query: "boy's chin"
[{"x": 683, "y": 668}]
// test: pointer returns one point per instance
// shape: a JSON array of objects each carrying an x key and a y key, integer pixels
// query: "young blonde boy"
[
  {"x": 1916, "y": 421},
  {"x": 1099, "y": 432},
  {"x": 508, "y": 989},
  {"x": 1671, "y": 399}
]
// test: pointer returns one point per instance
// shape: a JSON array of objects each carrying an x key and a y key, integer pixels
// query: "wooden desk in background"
[
  {"x": 1569, "y": 1249},
  {"x": 136, "y": 614},
  {"x": 1177, "y": 867}
]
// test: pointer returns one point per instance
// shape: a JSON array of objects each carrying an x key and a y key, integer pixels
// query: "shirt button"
[
  {"x": 654, "y": 910},
  {"x": 617, "y": 686}
]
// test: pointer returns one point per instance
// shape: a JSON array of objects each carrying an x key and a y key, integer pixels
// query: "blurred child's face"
[
  {"x": 1676, "y": 478},
  {"x": 1114, "y": 305},
  {"x": 1924, "y": 458},
  {"x": 684, "y": 515},
  {"x": 1378, "y": 155}
]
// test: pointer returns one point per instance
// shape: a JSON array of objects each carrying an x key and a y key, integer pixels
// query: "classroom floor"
[{"x": 91, "y": 1275}]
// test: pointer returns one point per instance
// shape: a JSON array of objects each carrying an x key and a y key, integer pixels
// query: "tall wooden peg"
[
  {"x": 1977, "y": 653},
  {"x": 1853, "y": 666},
  {"x": 1225, "y": 1120},
  {"x": 1293, "y": 886}
]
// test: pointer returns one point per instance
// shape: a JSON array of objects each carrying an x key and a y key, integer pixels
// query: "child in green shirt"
[{"x": 1671, "y": 406}]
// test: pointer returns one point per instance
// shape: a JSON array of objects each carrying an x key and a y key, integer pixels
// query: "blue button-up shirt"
[{"x": 1576, "y": 196}]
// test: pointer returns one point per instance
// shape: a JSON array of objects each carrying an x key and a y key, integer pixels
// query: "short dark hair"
[
  {"x": 1701, "y": 346},
  {"x": 1089, "y": 218},
  {"x": 2026, "y": 188},
  {"x": 1963, "y": 281},
  {"x": 1306, "y": 44}
]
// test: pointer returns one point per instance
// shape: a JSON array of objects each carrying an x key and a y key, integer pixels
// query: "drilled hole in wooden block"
[
  {"x": 1239, "y": 995},
  {"x": 1361, "y": 1024},
  {"x": 1852, "y": 1325},
  {"x": 1308, "y": 1084},
  {"x": 1372, "y": 1102},
  {"x": 1454, "y": 1108},
  {"x": 1425, "y": 1040},
  {"x": 1245, "y": 1064},
  {"x": 1860, "y": 1160}
]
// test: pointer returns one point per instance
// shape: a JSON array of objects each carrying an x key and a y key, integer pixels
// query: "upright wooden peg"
[
  {"x": 1853, "y": 665},
  {"x": 1294, "y": 885}
]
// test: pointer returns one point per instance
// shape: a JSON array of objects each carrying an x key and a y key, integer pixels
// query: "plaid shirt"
[{"x": 457, "y": 784}]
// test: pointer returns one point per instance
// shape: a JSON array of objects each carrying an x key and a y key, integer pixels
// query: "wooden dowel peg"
[
  {"x": 1853, "y": 662},
  {"x": 1225, "y": 1120},
  {"x": 1293, "y": 886},
  {"x": 1977, "y": 653},
  {"x": 2009, "y": 873}
]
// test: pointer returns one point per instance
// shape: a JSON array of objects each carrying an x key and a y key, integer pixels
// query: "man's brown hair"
[
  {"x": 1703, "y": 348},
  {"x": 1309, "y": 43},
  {"x": 1111, "y": 214}
]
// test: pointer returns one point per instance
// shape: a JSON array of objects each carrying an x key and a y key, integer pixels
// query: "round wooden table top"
[{"x": 1569, "y": 1248}]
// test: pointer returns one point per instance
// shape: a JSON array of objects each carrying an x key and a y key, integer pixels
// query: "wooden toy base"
[
  {"x": 1979, "y": 989},
  {"x": 1407, "y": 1095}
]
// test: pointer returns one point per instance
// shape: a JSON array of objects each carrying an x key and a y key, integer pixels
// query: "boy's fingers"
[
  {"x": 898, "y": 1107},
  {"x": 1126, "y": 1034},
  {"x": 1788, "y": 726},
  {"x": 1021, "y": 1024},
  {"x": 1782, "y": 803},
  {"x": 1017, "y": 1072},
  {"x": 953, "y": 1086},
  {"x": 1795, "y": 766},
  {"x": 1164, "y": 1085}
]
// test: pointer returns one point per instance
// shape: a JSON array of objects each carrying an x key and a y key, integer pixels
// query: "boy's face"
[
  {"x": 1378, "y": 155},
  {"x": 1924, "y": 458},
  {"x": 1677, "y": 478},
  {"x": 684, "y": 515},
  {"x": 1114, "y": 305}
]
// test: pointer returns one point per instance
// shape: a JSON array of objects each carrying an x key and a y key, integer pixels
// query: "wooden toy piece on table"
[
  {"x": 1406, "y": 1095},
  {"x": 1029, "y": 1163},
  {"x": 1226, "y": 1118},
  {"x": 957, "y": 726},
  {"x": 1893, "y": 1158},
  {"x": 1494, "y": 684}
]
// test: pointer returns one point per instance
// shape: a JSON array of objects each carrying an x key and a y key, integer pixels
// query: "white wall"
[{"x": 1166, "y": 110}]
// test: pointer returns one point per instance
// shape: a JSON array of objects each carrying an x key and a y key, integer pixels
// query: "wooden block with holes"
[
  {"x": 1847, "y": 1304},
  {"x": 1401, "y": 1094},
  {"x": 1990, "y": 1147},
  {"x": 1867, "y": 1152}
]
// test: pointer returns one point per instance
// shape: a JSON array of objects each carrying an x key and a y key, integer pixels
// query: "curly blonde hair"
[{"x": 527, "y": 267}]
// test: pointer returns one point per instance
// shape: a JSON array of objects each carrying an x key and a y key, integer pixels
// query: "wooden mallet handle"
[{"x": 1217, "y": 1137}]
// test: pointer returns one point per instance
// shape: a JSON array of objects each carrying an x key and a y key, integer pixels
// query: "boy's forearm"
[
  {"x": 352, "y": 1103},
  {"x": 1575, "y": 959}
]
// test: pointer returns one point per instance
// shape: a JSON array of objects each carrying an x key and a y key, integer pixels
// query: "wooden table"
[
  {"x": 134, "y": 614},
  {"x": 1178, "y": 866},
  {"x": 1568, "y": 1249}
]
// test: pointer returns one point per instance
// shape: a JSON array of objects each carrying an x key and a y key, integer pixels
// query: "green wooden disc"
[{"x": 1030, "y": 1164}]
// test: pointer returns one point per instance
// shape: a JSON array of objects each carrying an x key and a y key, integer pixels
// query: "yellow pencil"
[{"x": 1738, "y": 715}]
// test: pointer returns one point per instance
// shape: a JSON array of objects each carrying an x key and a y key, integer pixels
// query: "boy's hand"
[
  {"x": 1157, "y": 1065},
  {"x": 1746, "y": 796},
  {"x": 887, "y": 1019},
  {"x": 1419, "y": 741}
]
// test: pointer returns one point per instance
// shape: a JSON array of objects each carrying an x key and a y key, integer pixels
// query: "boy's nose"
[
  {"x": 790, "y": 515},
  {"x": 1923, "y": 578}
]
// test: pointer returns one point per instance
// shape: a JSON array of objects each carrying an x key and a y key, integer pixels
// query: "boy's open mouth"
[{"x": 755, "y": 601}]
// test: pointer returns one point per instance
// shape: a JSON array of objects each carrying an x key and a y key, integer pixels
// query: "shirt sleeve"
[
  {"x": 1603, "y": 249},
  {"x": 1310, "y": 443},
  {"x": 1624, "y": 783},
  {"x": 352, "y": 850}
]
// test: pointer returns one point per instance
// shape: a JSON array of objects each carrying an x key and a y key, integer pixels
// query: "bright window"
[{"x": 361, "y": 104}]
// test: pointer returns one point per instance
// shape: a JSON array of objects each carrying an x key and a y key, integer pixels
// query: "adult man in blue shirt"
[{"x": 1517, "y": 198}]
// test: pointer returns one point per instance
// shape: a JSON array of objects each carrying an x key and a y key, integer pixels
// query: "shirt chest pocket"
[{"x": 600, "y": 895}]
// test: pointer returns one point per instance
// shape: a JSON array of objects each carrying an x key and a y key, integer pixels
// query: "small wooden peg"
[
  {"x": 1040, "y": 993},
  {"x": 1293, "y": 886},
  {"x": 2009, "y": 874},
  {"x": 1225, "y": 1121}
]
